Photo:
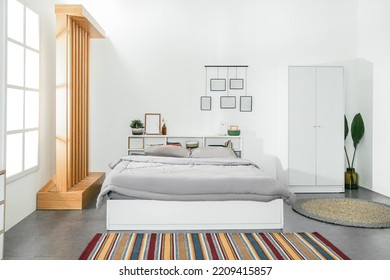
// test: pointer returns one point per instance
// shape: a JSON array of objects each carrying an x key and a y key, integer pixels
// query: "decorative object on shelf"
[
  {"x": 137, "y": 127},
  {"x": 136, "y": 143},
  {"x": 164, "y": 127},
  {"x": 173, "y": 143},
  {"x": 229, "y": 144},
  {"x": 357, "y": 132},
  {"x": 234, "y": 130},
  {"x": 152, "y": 123},
  {"x": 222, "y": 129},
  {"x": 228, "y": 102},
  {"x": 192, "y": 144}
]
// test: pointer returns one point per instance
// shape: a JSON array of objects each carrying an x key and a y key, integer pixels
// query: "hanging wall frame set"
[{"x": 226, "y": 82}]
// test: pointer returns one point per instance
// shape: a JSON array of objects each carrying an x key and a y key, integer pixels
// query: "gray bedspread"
[{"x": 189, "y": 179}]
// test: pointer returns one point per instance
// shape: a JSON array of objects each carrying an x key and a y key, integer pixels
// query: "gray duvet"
[{"x": 190, "y": 179}]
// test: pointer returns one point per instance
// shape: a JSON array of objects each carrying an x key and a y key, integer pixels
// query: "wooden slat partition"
[
  {"x": 78, "y": 163},
  {"x": 73, "y": 181}
]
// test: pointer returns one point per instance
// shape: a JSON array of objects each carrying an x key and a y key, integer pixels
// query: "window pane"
[
  {"x": 32, "y": 29},
  {"x": 15, "y": 65},
  {"x": 14, "y": 109},
  {"x": 14, "y": 154},
  {"x": 31, "y": 109},
  {"x": 15, "y": 20},
  {"x": 30, "y": 149},
  {"x": 32, "y": 69}
]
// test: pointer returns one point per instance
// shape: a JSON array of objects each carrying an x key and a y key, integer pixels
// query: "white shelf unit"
[
  {"x": 2, "y": 212},
  {"x": 137, "y": 144}
]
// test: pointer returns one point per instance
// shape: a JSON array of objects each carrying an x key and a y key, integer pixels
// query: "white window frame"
[{"x": 25, "y": 47}]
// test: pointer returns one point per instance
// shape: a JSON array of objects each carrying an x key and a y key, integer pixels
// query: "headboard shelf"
[{"x": 137, "y": 144}]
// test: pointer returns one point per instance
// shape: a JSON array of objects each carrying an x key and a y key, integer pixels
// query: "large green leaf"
[
  {"x": 346, "y": 128},
  {"x": 357, "y": 129}
]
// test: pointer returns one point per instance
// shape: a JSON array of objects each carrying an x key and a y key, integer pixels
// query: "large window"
[{"x": 22, "y": 90}]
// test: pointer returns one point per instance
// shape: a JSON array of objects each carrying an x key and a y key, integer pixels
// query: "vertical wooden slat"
[
  {"x": 77, "y": 96},
  {"x": 84, "y": 103},
  {"x": 80, "y": 96},
  {"x": 87, "y": 108},
  {"x": 72, "y": 109},
  {"x": 74, "y": 105}
]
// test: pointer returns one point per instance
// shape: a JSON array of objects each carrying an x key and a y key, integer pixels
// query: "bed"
[{"x": 208, "y": 189}]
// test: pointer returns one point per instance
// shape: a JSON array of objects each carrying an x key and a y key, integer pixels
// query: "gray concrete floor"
[{"x": 62, "y": 235}]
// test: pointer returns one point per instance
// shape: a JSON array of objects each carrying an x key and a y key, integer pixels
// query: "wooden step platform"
[{"x": 77, "y": 197}]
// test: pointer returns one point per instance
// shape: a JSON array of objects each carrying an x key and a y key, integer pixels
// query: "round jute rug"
[{"x": 345, "y": 211}]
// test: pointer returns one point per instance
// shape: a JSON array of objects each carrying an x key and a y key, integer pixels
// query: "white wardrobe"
[{"x": 316, "y": 129}]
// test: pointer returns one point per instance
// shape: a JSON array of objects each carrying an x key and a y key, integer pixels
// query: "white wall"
[
  {"x": 359, "y": 99},
  {"x": 374, "y": 45},
  {"x": 21, "y": 194},
  {"x": 154, "y": 55}
]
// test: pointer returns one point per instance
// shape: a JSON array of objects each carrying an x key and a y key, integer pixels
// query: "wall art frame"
[
  {"x": 228, "y": 102},
  {"x": 245, "y": 103},
  {"x": 205, "y": 103}
]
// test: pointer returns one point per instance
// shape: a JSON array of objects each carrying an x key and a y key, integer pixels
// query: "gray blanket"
[{"x": 189, "y": 179}]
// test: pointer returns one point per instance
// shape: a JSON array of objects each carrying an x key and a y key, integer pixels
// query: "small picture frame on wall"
[
  {"x": 153, "y": 123},
  {"x": 245, "y": 103},
  {"x": 228, "y": 102},
  {"x": 236, "y": 84},
  {"x": 217, "y": 84},
  {"x": 205, "y": 103}
]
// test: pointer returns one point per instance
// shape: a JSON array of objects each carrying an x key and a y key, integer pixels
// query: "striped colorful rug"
[{"x": 211, "y": 246}]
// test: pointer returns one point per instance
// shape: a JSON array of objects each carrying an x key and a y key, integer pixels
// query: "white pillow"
[
  {"x": 167, "y": 151},
  {"x": 213, "y": 152}
]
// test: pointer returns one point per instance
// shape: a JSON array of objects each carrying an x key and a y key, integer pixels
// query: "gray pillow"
[
  {"x": 167, "y": 151},
  {"x": 213, "y": 152}
]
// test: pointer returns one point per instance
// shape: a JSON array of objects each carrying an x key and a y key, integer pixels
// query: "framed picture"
[
  {"x": 217, "y": 84},
  {"x": 236, "y": 83},
  {"x": 153, "y": 123},
  {"x": 136, "y": 143},
  {"x": 228, "y": 102},
  {"x": 205, "y": 103},
  {"x": 245, "y": 103}
]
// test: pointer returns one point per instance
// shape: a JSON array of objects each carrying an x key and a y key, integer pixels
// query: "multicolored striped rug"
[{"x": 211, "y": 246}]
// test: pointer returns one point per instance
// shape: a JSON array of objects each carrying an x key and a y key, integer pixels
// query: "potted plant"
[
  {"x": 357, "y": 132},
  {"x": 137, "y": 127}
]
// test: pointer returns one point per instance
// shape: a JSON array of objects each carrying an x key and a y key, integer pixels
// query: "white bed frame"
[{"x": 138, "y": 215}]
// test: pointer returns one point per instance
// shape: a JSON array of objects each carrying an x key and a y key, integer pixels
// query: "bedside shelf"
[{"x": 137, "y": 144}]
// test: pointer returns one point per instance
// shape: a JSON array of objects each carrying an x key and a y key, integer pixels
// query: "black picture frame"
[
  {"x": 203, "y": 104},
  {"x": 216, "y": 83},
  {"x": 245, "y": 103},
  {"x": 234, "y": 87},
  {"x": 227, "y": 102}
]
